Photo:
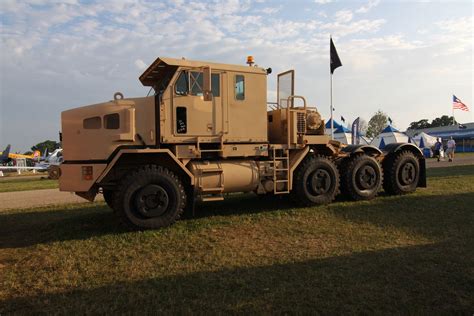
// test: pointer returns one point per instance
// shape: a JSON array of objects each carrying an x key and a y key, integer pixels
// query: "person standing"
[
  {"x": 451, "y": 148},
  {"x": 437, "y": 148}
]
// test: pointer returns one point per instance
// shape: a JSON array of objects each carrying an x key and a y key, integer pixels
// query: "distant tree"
[
  {"x": 439, "y": 121},
  {"x": 443, "y": 121},
  {"x": 51, "y": 145},
  {"x": 376, "y": 124},
  {"x": 419, "y": 124}
]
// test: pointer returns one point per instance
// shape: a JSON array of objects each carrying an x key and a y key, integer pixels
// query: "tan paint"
[
  {"x": 97, "y": 144},
  {"x": 71, "y": 177}
]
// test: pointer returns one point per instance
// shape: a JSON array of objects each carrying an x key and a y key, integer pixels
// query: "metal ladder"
[
  {"x": 212, "y": 194},
  {"x": 281, "y": 172}
]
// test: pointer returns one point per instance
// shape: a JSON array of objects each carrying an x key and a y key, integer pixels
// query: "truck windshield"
[{"x": 194, "y": 80}]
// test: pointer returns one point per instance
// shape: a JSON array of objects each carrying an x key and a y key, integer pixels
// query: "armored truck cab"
[{"x": 208, "y": 130}]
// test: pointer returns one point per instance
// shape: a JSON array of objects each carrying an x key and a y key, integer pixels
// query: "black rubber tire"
[
  {"x": 402, "y": 172},
  {"x": 54, "y": 172},
  {"x": 131, "y": 201},
  {"x": 306, "y": 187},
  {"x": 361, "y": 177},
  {"x": 109, "y": 197}
]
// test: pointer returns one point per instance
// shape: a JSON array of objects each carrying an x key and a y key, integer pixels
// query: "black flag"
[{"x": 335, "y": 61}]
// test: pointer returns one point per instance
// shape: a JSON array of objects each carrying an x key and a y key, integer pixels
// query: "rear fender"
[
  {"x": 393, "y": 148},
  {"x": 366, "y": 149}
]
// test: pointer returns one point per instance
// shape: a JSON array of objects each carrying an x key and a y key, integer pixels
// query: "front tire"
[
  {"x": 151, "y": 197},
  {"x": 402, "y": 172},
  {"x": 362, "y": 177},
  {"x": 316, "y": 182}
]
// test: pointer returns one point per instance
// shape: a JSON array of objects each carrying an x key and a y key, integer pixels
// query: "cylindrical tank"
[{"x": 226, "y": 175}]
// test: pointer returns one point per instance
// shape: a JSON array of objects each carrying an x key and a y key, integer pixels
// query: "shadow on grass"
[
  {"x": 434, "y": 278},
  {"x": 435, "y": 216},
  {"x": 31, "y": 228}
]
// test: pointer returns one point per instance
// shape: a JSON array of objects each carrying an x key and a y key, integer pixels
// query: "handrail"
[{"x": 292, "y": 97}]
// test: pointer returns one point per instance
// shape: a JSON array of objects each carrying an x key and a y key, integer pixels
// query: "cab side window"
[
  {"x": 112, "y": 121},
  {"x": 215, "y": 85},
  {"x": 239, "y": 87},
  {"x": 195, "y": 78},
  {"x": 196, "y": 83},
  {"x": 92, "y": 123},
  {"x": 182, "y": 84}
]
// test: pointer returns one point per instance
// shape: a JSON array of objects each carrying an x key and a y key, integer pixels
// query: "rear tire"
[
  {"x": 151, "y": 197},
  {"x": 402, "y": 172},
  {"x": 361, "y": 178},
  {"x": 316, "y": 181}
]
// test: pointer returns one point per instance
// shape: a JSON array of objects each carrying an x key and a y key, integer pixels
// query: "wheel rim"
[
  {"x": 152, "y": 201},
  {"x": 407, "y": 173},
  {"x": 366, "y": 177},
  {"x": 320, "y": 182}
]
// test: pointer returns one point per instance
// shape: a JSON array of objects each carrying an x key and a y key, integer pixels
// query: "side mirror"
[{"x": 207, "y": 89}]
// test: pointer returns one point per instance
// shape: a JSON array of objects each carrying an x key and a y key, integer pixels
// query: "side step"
[{"x": 212, "y": 198}]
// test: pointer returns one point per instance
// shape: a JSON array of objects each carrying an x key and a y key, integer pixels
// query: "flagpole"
[
  {"x": 332, "y": 120},
  {"x": 330, "y": 89},
  {"x": 452, "y": 106}
]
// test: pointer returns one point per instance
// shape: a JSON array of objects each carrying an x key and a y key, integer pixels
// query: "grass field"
[
  {"x": 24, "y": 184},
  {"x": 401, "y": 255}
]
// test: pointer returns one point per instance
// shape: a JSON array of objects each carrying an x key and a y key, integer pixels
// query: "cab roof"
[{"x": 155, "y": 71}]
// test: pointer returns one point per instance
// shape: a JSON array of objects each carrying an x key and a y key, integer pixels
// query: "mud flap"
[{"x": 89, "y": 195}]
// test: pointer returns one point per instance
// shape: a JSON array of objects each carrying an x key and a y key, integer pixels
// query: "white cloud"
[
  {"x": 343, "y": 16},
  {"x": 140, "y": 64},
  {"x": 366, "y": 8},
  {"x": 271, "y": 10},
  {"x": 323, "y": 1}
]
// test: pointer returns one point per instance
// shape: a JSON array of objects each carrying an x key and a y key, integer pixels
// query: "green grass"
[
  {"x": 19, "y": 184},
  {"x": 396, "y": 254}
]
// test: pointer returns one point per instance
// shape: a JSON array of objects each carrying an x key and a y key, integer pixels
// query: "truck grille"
[{"x": 301, "y": 123}]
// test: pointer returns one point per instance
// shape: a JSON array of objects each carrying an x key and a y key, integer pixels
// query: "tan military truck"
[{"x": 208, "y": 130}]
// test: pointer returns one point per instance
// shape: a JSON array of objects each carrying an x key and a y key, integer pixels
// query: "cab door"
[{"x": 193, "y": 116}]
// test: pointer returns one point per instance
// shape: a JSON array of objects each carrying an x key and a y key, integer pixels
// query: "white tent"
[
  {"x": 424, "y": 140},
  {"x": 389, "y": 135},
  {"x": 343, "y": 135}
]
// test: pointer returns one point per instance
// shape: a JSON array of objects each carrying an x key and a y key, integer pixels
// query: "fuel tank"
[{"x": 226, "y": 175}]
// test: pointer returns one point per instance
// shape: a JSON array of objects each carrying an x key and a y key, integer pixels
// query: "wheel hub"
[
  {"x": 366, "y": 177},
  {"x": 320, "y": 182},
  {"x": 152, "y": 201},
  {"x": 408, "y": 173}
]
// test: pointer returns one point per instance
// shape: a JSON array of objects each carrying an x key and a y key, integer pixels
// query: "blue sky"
[{"x": 406, "y": 58}]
